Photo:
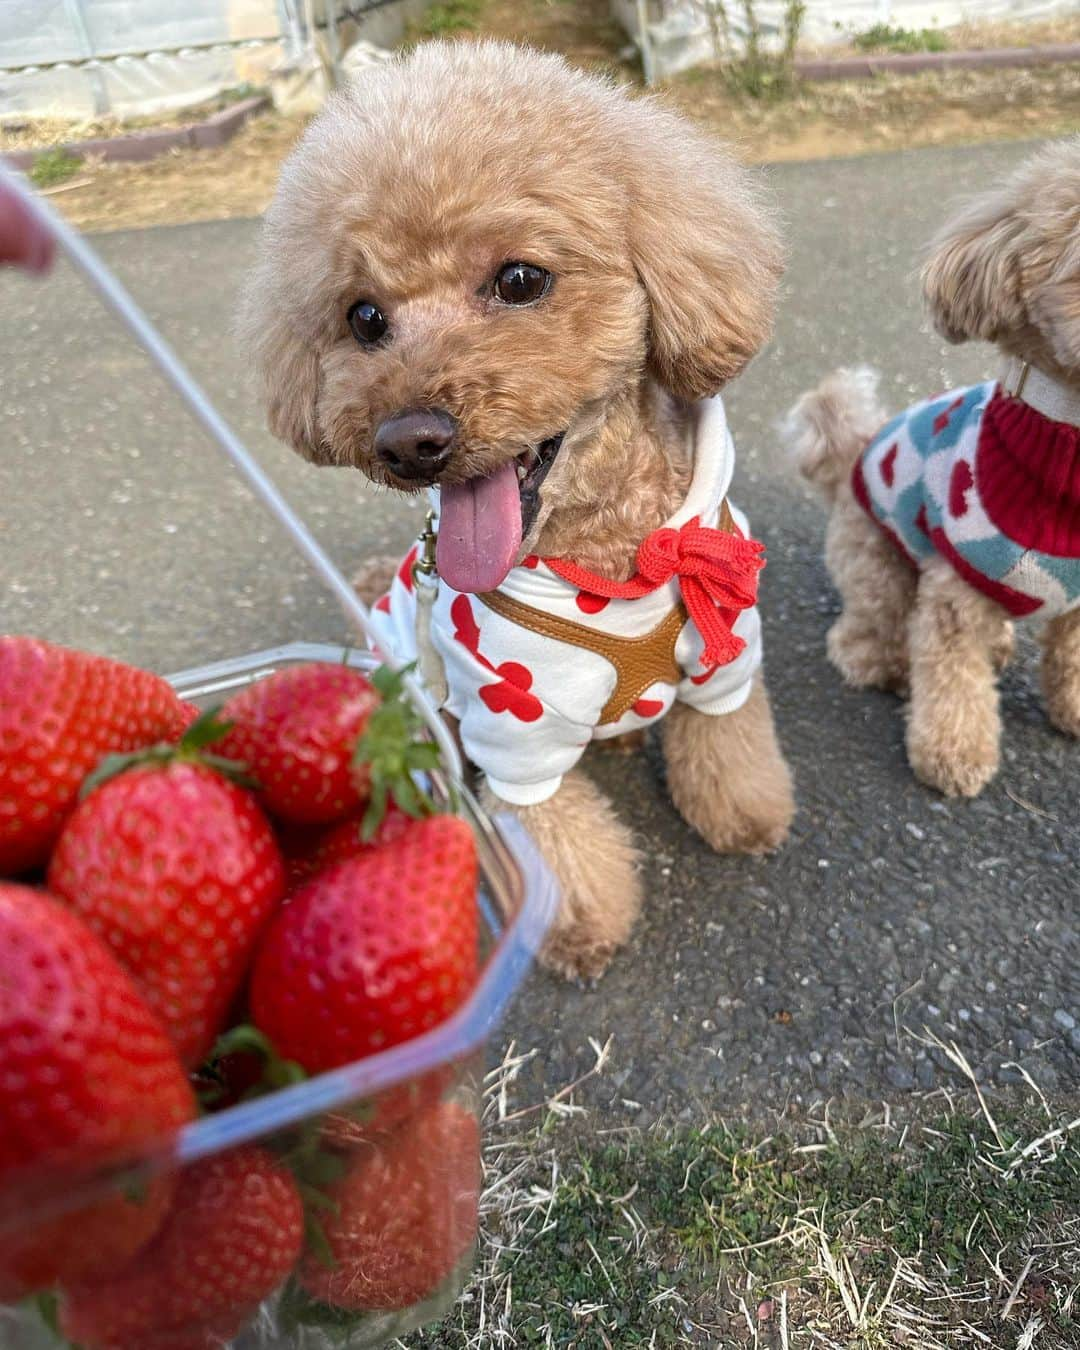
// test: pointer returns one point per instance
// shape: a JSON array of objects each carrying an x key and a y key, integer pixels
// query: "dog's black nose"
[{"x": 416, "y": 444}]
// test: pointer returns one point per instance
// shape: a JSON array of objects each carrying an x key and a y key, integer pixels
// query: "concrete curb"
[
  {"x": 137, "y": 147},
  {"x": 908, "y": 63}
]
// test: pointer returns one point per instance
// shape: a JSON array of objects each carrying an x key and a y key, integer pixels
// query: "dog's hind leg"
[
  {"x": 868, "y": 643},
  {"x": 1061, "y": 672},
  {"x": 728, "y": 777},
  {"x": 592, "y": 854}
]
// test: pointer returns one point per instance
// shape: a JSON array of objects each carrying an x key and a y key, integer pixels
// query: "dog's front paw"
[
  {"x": 601, "y": 899},
  {"x": 593, "y": 858},
  {"x": 866, "y": 659},
  {"x": 576, "y": 954},
  {"x": 956, "y": 770},
  {"x": 1061, "y": 672},
  {"x": 742, "y": 832},
  {"x": 1061, "y": 687},
  {"x": 748, "y": 810}
]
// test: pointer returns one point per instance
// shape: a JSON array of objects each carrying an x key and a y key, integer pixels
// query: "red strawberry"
[
  {"x": 191, "y": 713},
  {"x": 60, "y": 711},
  {"x": 372, "y": 951},
  {"x": 87, "y": 1075},
  {"x": 233, "y": 1234},
  {"x": 178, "y": 870},
  {"x": 312, "y": 848},
  {"x": 296, "y": 732},
  {"x": 406, "y": 1214},
  {"x": 213, "y": 1335}
]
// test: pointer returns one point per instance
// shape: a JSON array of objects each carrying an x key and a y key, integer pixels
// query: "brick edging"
[
  {"x": 902, "y": 63},
  {"x": 136, "y": 147}
]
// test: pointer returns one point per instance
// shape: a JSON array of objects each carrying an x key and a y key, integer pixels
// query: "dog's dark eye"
[
  {"x": 521, "y": 283},
  {"x": 367, "y": 322}
]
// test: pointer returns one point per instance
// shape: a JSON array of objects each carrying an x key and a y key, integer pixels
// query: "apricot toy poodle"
[
  {"x": 962, "y": 514},
  {"x": 496, "y": 278}
]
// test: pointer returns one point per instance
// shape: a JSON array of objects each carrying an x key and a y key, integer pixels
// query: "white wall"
[
  {"x": 680, "y": 36},
  {"x": 140, "y": 74}
]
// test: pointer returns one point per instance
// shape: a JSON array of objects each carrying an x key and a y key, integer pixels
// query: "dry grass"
[
  {"x": 184, "y": 185},
  {"x": 855, "y": 117},
  {"x": 19, "y": 134},
  {"x": 958, "y": 1227},
  {"x": 818, "y": 121},
  {"x": 980, "y": 35}
]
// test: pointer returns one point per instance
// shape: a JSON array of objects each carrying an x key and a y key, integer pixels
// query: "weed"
[
  {"x": 238, "y": 93},
  {"x": 758, "y": 69},
  {"x": 452, "y": 16},
  {"x": 882, "y": 37},
  {"x": 52, "y": 167},
  {"x": 938, "y": 1233}
]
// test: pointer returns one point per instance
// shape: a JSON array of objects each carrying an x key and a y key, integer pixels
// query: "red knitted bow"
[{"x": 718, "y": 576}]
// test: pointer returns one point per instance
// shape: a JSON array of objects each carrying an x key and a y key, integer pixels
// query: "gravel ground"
[{"x": 750, "y": 985}]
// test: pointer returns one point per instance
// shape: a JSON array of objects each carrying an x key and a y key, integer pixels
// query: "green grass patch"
[
  {"x": 883, "y": 37},
  {"x": 238, "y": 93},
  {"x": 452, "y": 16},
  {"x": 872, "y": 1237},
  {"x": 52, "y": 167}
]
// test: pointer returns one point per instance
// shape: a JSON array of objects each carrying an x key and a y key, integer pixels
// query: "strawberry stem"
[{"x": 395, "y": 748}]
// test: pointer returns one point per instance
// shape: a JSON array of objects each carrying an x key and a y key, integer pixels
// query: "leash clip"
[
  {"x": 426, "y": 580},
  {"x": 424, "y": 566}
]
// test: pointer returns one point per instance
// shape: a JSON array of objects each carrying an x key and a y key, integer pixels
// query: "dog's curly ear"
[
  {"x": 971, "y": 278},
  {"x": 1055, "y": 307},
  {"x": 285, "y": 362},
  {"x": 706, "y": 249}
]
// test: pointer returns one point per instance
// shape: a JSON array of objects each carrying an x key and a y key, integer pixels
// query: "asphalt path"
[{"x": 750, "y": 984}]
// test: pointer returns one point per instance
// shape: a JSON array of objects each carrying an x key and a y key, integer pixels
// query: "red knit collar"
[{"x": 1027, "y": 469}]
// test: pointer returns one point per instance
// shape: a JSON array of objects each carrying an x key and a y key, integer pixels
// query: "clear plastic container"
[{"x": 401, "y": 1128}]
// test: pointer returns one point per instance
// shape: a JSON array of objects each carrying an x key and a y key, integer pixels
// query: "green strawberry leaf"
[
  {"x": 111, "y": 766},
  {"x": 207, "y": 729},
  {"x": 244, "y": 1038},
  {"x": 134, "y": 1188},
  {"x": 47, "y": 1307},
  {"x": 316, "y": 1199},
  {"x": 316, "y": 1242},
  {"x": 231, "y": 769},
  {"x": 376, "y": 811},
  {"x": 395, "y": 747},
  {"x": 210, "y": 1086}
]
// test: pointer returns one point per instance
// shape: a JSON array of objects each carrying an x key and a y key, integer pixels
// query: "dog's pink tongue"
[{"x": 479, "y": 531}]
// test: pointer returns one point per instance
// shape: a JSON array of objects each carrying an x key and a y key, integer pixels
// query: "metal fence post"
[
  {"x": 77, "y": 19},
  {"x": 333, "y": 45},
  {"x": 644, "y": 42}
]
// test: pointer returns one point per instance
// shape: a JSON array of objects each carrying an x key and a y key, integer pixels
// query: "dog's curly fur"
[
  {"x": 1006, "y": 270},
  {"x": 411, "y": 189}
]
